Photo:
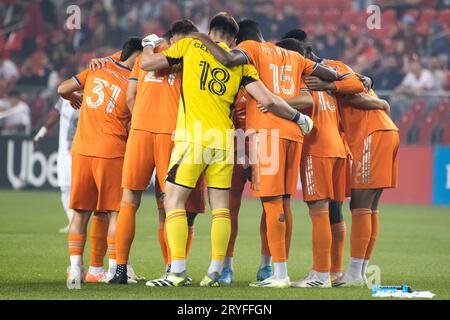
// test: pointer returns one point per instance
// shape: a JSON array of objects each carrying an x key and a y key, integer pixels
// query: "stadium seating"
[
  {"x": 427, "y": 127},
  {"x": 444, "y": 18}
]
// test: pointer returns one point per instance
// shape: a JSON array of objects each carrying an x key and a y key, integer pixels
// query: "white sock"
[
  {"x": 364, "y": 267},
  {"x": 75, "y": 263},
  {"x": 280, "y": 270},
  {"x": 355, "y": 268},
  {"x": 265, "y": 261},
  {"x": 323, "y": 276},
  {"x": 96, "y": 270},
  {"x": 228, "y": 263},
  {"x": 112, "y": 266},
  {"x": 215, "y": 266},
  {"x": 178, "y": 266},
  {"x": 69, "y": 214}
]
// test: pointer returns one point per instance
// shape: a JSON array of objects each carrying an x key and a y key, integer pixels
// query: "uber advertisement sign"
[
  {"x": 441, "y": 175},
  {"x": 23, "y": 166}
]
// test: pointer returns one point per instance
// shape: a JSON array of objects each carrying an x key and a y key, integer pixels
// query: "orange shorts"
[
  {"x": 95, "y": 183},
  {"x": 375, "y": 161},
  {"x": 323, "y": 178},
  {"x": 276, "y": 164},
  {"x": 146, "y": 152}
]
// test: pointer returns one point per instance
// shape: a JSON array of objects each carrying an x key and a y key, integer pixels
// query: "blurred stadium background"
[{"x": 408, "y": 57}]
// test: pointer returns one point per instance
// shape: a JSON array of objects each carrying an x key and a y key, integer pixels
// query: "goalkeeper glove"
[
  {"x": 152, "y": 41},
  {"x": 304, "y": 122}
]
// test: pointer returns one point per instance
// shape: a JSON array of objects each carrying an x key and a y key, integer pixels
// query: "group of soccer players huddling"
[{"x": 175, "y": 105}]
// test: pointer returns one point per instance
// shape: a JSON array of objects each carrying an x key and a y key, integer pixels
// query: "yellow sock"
[
  {"x": 220, "y": 233},
  {"x": 177, "y": 233}
]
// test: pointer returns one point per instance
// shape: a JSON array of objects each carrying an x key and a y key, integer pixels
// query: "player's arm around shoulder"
[
  {"x": 367, "y": 101},
  {"x": 268, "y": 102},
  {"x": 68, "y": 88},
  {"x": 227, "y": 58},
  {"x": 303, "y": 100},
  {"x": 151, "y": 61}
]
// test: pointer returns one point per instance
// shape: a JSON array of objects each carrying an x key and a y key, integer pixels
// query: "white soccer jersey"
[{"x": 67, "y": 125}]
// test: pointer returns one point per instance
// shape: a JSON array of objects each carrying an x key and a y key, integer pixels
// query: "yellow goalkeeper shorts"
[{"x": 189, "y": 160}]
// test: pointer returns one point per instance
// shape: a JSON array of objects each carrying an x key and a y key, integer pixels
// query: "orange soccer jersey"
[
  {"x": 157, "y": 99},
  {"x": 347, "y": 82},
  {"x": 373, "y": 139},
  {"x": 99, "y": 142},
  {"x": 104, "y": 116},
  {"x": 322, "y": 168},
  {"x": 281, "y": 71}
]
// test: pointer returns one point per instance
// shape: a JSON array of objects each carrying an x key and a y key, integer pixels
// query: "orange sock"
[
  {"x": 374, "y": 234},
  {"x": 76, "y": 244},
  {"x": 125, "y": 229},
  {"x": 321, "y": 238},
  {"x": 276, "y": 229},
  {"x": 338, "y": 234},
  {"x": 112, "y": 247},
  {"x": 265, "y": 251},
  {"x": 162, "y": 241},
  {"x": 166, "y": 241},
  {"x": 361, "y": 232},
  {"x": 288, "y": 215},
  {"x": 191, "y": 230},
  {"x": 97, "y": 236}
]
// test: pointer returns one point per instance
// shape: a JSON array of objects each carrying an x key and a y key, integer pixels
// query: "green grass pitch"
[{"x": 412, "y": 249}]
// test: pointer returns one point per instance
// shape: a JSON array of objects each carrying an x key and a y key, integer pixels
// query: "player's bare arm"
[
  {"x": 347, "y": 85},
  {"x": 49, "y": 123},
  {"x": 150, "y": 60},
  {"x": 269, "y": 102},
  {"x": 227, "y": 58},
  {"x": 367, "y": 81},
  {"x": 304, "y": 100},
  {"x": 131, "y": 94},
  {"x": 67, "y": 90},
  {"x": 324, "y": 73},
  {"x": 367, "y": 102}
]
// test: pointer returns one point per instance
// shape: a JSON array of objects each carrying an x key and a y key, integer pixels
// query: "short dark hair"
[
  {"x": 292, "y": 45},
  {"x": 167, "y": 35},
  {"x": 132, "y": 45},
  {"x": 224, "y": 23},
  {"x": 297, "y": 34},
  {"x": 183, "y": 26},
  {"x": 248, "y": 29}
]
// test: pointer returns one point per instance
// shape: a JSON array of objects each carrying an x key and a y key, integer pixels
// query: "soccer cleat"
[
  {"x": 345, "y": 281},
  {"x": 264, "y": 273},
  {"x": 171, "y": 280},
  {"x": 120, "y": 277},
  {"x": 75, "y": 275},
  {"x": 132, "y": 277},
  {"x": 101, "y": 277},
  {"x": 312, "y": 281},
  {"x": 365, "y": 279},
  {"x": 335, "y": 275},
  {"x": 226, "y": 277},
  {"x": 272, "y": 282},
  {"x": 211, "y": 280}
]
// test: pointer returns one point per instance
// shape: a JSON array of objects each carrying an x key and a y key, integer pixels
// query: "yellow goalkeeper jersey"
[{"x": 208, "y": 90}]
